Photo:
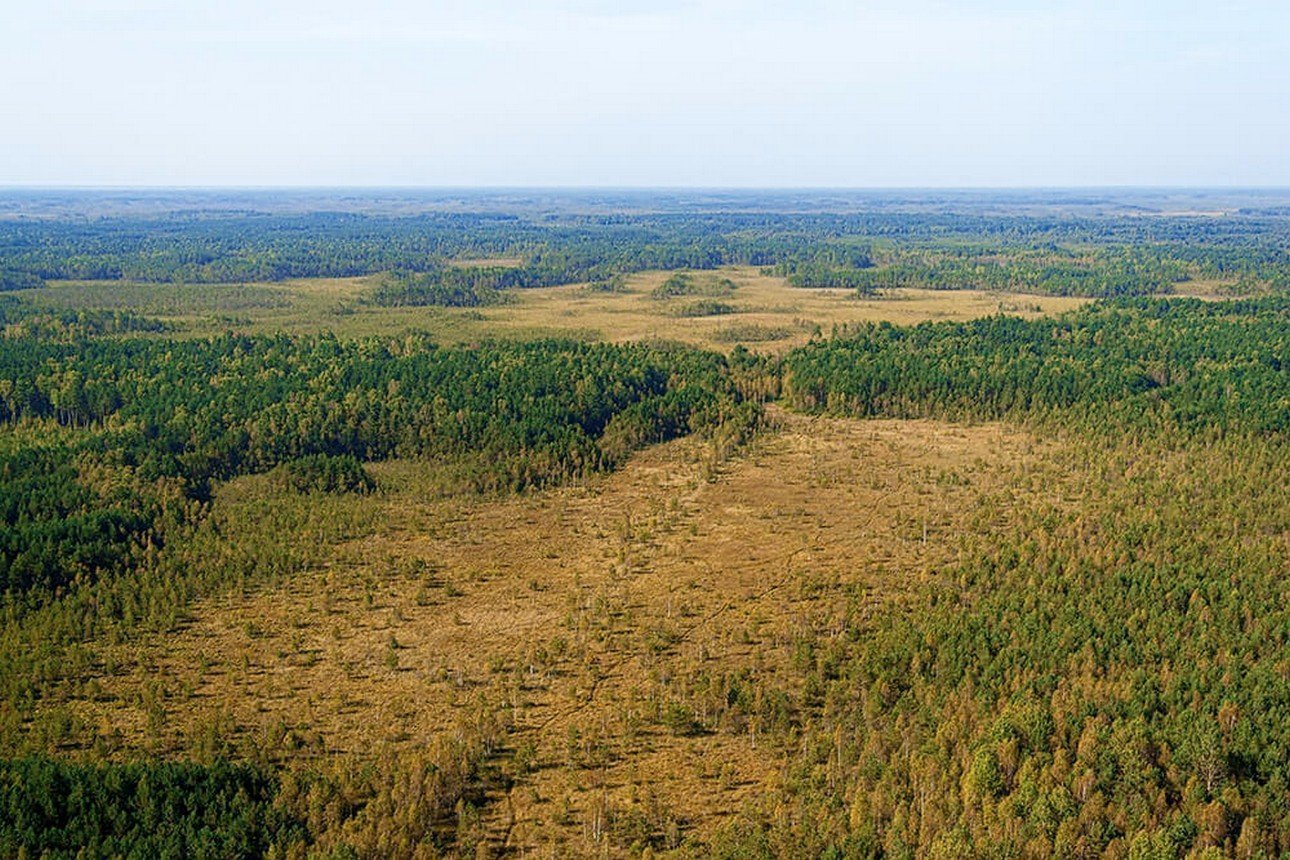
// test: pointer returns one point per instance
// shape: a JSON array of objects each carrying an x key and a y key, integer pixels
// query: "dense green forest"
[
  {"x": 55, "y": 809},
  {"x": 1130, "y": 365},
  {"x": 20, "y": 319},
  {"x": 445, "y": 286},
  {"x": 1052, "y": 271},
  {"x": 1047, "y": 254},
  {"x": 10, "y": 280},
  {"x": 1103, "y": 673}
]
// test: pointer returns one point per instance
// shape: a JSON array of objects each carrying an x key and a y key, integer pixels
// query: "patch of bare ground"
[{"x": 596, "y": 621}]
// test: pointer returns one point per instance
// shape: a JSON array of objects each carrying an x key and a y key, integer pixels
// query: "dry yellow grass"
[
  {"x": 481, "y": 262},
  {"x": 1214, "y": 289},
  {"x": 578, "y": 612},
  {"x": 769, "y": 314},
  {"x": 776, "y": 315}
]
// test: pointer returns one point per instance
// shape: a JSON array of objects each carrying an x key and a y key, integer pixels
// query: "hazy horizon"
[
  {"x": 704, "y": 94},
  {"x": 140, "y": 186}
]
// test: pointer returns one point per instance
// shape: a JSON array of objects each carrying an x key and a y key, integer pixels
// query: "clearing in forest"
[
  {"x": 607, "y": 624},
  {"x": 761, "y": 312}
]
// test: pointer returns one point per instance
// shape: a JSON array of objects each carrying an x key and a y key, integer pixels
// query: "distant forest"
[{"x": 1052, "y": 255}]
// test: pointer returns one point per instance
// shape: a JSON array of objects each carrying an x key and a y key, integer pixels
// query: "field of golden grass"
[
  {"x": 586, "y": 617},
  {"x": 768, "y": 314}
]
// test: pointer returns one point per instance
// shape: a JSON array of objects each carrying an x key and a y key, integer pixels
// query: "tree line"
[
  {"x": 1064, "y": 255},
  {"x": 1132, "y": 364}
]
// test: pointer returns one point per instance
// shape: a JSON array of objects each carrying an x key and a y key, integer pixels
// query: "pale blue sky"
[{"x": 676, "y": 92}]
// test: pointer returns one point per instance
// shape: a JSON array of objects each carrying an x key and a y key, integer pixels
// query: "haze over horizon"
[{"x": 681, "y": 93}]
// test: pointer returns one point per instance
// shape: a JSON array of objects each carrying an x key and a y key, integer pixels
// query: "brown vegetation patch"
[
  {"x": 593, "y": 621},
  {"x": 764, "y": 311}
]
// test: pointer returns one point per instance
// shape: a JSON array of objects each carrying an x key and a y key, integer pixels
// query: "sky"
[{"x": 712, "y": 93}]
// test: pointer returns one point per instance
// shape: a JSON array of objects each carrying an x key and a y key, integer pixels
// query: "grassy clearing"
[
  {"x": 179, "y": 302},
  {"x": 1218, "y": 290},
  {"x": 485, "y": 262},
  {"x": 774, "y": 315},
  {"x": 592, "y": 619}
]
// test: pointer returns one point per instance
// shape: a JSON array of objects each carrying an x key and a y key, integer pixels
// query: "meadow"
[{"x": 766, "y": 313}]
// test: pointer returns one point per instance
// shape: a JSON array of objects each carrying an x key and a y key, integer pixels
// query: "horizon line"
[{"x": 38, "y": 186}]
